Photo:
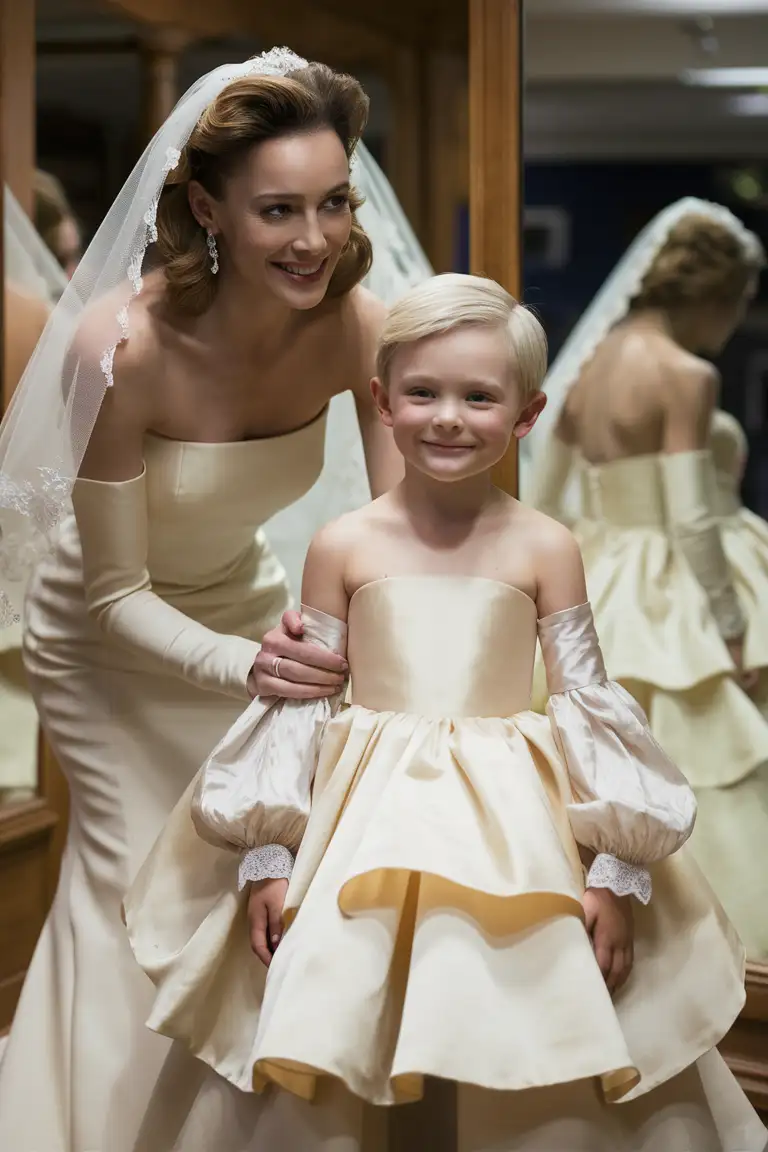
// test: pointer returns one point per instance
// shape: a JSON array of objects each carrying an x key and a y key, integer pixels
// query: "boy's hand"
[
  {"x": 610, "y": 925},
  {"x": 265, "y": 917}
]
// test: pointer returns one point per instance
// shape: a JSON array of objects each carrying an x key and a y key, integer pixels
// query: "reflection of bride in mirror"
[{"x": 681, "y": 600}]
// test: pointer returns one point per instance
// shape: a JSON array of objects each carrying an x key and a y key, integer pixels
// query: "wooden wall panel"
[{"x": 495, "y": 157}]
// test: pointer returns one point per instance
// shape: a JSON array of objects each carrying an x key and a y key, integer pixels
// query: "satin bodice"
[
  {"x": 628, "y": 493},
  {"x": 631, "y": 493},
  {"x": 442, "y": 646},
  {"x": 206, "y": 503}
]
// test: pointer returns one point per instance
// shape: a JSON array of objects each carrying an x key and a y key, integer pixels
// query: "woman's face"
[{"x": 285, "y": 216}]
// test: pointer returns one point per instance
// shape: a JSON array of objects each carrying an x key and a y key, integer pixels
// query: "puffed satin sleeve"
[
  {"x": 630, "y": 800},
  {"x": 112, "y": 522},
  {"x": 254, "y": 791}
]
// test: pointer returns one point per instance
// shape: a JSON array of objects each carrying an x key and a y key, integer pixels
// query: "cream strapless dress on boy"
[{"x": 435, "y": 925}]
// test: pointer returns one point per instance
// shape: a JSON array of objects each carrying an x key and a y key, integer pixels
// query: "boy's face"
[{"x": 453, "y": 402}]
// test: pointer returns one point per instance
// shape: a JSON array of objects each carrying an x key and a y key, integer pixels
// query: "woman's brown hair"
[
  {"x": 702, "y": 261},
  {"x": 245, "y": 113}
]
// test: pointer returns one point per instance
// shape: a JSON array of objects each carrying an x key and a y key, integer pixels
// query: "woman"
[
  {"x": 196, "y": 394},
  {"x": 628, "y": 456}
]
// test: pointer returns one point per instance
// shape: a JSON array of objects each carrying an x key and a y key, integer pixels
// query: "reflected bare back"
[{"x": 640, "y": 394}]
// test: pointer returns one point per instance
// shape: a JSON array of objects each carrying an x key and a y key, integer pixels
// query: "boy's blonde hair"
[{"x": 450, "y": 301}]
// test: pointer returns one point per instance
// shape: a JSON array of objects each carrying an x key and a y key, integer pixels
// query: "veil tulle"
[
  {"x": 49, "y": 422},
  {"x": 610, "y": 305}
]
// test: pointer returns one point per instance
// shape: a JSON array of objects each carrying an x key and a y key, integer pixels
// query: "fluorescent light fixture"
[
  {"x": 726, "y": 77},
  {"x": 749, "y": 104}
]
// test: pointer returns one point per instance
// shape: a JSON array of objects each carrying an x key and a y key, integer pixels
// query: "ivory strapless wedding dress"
[
  {"x": 434, "y": 918},
  {"x": 661, "y": 642},
  {"x": 80, "y": 1065}
]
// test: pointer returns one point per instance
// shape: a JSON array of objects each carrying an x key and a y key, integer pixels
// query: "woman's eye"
[
  {"x": 277, "y": 211},
  {"x": 335, "y": 203}
]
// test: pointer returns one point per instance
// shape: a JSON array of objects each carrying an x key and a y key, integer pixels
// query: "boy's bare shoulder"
[
  {"x": 544, "y": 533},
  {"x": 347, "y": 530}
]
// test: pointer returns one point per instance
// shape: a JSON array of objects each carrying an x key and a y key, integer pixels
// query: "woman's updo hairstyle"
[
  {"x": 702, "y": 262},
  {"x": 247, "y": 112}
]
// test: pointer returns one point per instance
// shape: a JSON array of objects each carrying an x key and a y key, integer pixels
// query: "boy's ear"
[
  {"x": 381, "y": 400},
  {"x": 529, "y": 415}
]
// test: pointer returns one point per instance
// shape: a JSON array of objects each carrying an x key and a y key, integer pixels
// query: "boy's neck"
[{"x": 439, "y": 506}]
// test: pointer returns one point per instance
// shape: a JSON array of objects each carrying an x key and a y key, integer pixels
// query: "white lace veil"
[
  {"x": 28, "y": 262},
  {"x": 610, "y": 305},
  {"x": 45, "y": 432}
]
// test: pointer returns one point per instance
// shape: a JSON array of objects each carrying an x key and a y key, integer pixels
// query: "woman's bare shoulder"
[
  {"x": 121, "y": 323},
  {"x": 691, "y": 385},
  {"x": 361, "y": 316},
  {"x": 118, "y": 343},
  {"x": 365, "y": 309}
]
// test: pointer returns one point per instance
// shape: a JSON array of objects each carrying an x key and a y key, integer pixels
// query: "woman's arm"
[
  {"x": 383, "y": 460},
  {"x": 111, "y": 509},
  {"x": 690, "y": 485}
]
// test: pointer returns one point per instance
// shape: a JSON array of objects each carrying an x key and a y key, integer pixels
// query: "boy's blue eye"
[{"x": 479, "y": 398}]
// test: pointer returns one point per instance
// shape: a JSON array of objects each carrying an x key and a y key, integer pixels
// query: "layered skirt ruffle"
[{"x": 434, "y": 929}]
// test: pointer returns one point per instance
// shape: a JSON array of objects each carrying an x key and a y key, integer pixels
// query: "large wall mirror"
[{"x": 631, "y": 107}]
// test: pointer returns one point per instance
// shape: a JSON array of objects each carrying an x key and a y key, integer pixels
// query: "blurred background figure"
[
  {"x": 33, "y": 282},
  {"x": 625, "y": 453},
  {"x": 56, "y": 223}
]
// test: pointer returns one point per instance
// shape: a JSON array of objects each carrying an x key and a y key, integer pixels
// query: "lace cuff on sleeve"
[
  {"x": 621, "y": 878},
  {"x": 255, "y": 788},
  {"x": 271, "y": 862},
  {"x": 630, "y": 801}
]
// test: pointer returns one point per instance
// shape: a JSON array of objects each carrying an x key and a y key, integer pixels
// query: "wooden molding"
[
  {"x": 495, "y": 158},
  {"x": 22, "y": 824},
  {"x": 745, "y": 1048},
  {"x": 756, "y": 1007},
  {"x": 307, "y": 28},
  {"x": 17, "y": 65}
]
